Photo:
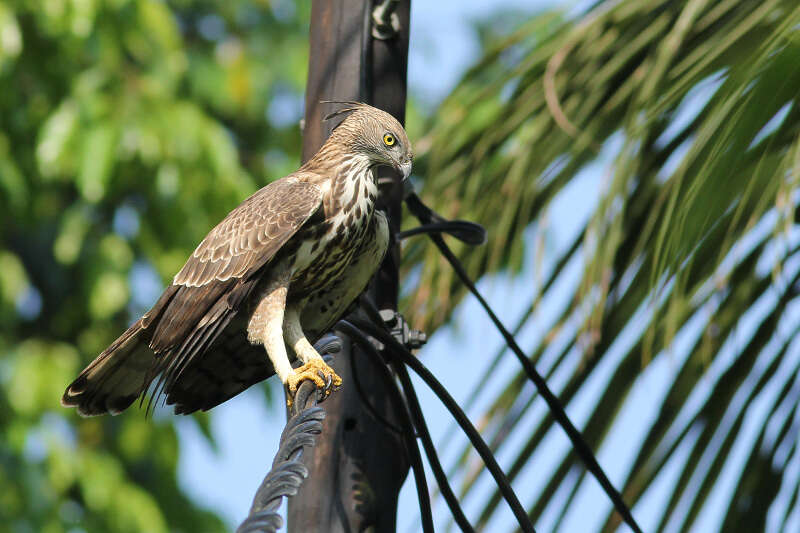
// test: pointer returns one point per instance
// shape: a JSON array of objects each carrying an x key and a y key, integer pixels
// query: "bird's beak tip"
[{"x": 405, "y": 169}]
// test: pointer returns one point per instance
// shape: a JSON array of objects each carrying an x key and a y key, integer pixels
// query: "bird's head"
[{"x": 375, "y": 134}]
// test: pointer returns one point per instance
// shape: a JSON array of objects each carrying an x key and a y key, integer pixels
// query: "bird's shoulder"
[
  {"x": 254, "y": 231},
  {"x": 265, "y": 215},
  {"x": 288, "y": 195}
]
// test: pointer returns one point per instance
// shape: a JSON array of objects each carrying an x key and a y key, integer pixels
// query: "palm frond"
[{"x": 689, "y": 253}]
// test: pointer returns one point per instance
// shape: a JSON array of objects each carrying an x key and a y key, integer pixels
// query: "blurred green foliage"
[{"x": 127, "y": 129}]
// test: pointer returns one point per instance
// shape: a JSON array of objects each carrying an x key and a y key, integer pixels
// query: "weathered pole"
[{"x": 358, "y": 466}]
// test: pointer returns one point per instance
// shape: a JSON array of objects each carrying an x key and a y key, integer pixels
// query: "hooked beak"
[{"x": 405, "y": 169}]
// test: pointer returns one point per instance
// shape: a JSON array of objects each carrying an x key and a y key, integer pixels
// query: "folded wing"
[{"x": 198, "y": 306}]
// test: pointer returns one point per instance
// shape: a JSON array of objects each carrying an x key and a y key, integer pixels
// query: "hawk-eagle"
[{"x": 279, "y": 270}]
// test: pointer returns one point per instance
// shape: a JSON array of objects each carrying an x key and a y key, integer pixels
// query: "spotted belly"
[
  {"x": 314, "y": 270},
  {"x": 321, "y": 308}
]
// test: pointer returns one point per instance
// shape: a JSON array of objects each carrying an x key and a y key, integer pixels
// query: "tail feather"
[
  {"x": 197, "y": 342},
  {"x": 166, "y": 346},
  {"x": 114, "y": 380}
]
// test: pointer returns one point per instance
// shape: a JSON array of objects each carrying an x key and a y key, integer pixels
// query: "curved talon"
[
  {"x": 319, "y": 372},
  {"x": 324, "y": 392}
]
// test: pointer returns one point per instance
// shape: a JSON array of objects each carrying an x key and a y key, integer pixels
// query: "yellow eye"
[{"x": 388, "y": 139}]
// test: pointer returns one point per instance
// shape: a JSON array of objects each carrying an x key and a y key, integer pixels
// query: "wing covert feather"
[{"x": 252, "y": 233}]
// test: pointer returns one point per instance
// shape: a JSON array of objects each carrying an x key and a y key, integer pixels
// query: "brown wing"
[
  {"x": 252, "y": 233},
  {"x": 219, "y": 272},
  {"x": 203, "y": 298},
  {"x": 228, "y": 367}
]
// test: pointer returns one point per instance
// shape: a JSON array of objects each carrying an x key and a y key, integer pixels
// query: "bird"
[{"x": 273, "y": 276}]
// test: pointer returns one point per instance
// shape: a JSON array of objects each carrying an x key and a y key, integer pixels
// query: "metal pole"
[{"x": 358, "y": 466}]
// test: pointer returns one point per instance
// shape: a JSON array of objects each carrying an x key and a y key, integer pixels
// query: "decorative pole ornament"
[{"x": 278, "y": 271}]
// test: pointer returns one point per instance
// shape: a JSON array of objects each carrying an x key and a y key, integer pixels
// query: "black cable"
[
  {"x": 419, "y": 422},
  {"x": 467, "y": 232},
  {"x": 422, "y": 212},
  {"x": 415, "y": 458},
  {"x": 430, "y": 450},
  {"x": 475, "y": 438},
  {"x": 367, "y": 403},
  {"x": 371, "y": 311}
]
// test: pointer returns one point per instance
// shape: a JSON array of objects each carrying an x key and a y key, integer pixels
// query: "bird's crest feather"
[{"x": 351, "y": 106}]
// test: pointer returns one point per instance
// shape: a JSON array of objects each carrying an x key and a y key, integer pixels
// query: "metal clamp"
[
  {"x": 398, "y": 327},
  {"x": 385, "y": 22}
]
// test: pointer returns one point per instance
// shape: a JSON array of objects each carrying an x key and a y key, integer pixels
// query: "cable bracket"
[
  {"x": 412, "y": 339},
  {"x": 385, "y": 22}
]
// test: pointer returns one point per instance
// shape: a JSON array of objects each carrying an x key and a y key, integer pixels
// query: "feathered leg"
[
  {"x": 314, "y": 367},
  {"x": 275, "y": 326},
  {"x": 266, "y": 323}
]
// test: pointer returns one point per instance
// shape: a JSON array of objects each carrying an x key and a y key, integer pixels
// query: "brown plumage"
[{"x": 289, "y": 259}]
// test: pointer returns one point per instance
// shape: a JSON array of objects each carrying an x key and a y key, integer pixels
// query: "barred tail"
[{"x": 114, "y": 380}]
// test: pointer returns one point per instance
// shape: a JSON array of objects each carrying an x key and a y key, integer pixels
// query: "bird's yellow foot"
[{"x": 316, "y": 370}]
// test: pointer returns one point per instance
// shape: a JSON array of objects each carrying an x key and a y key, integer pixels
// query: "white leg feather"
[
  {"x": 293, "y": 333},
  {"x": 266, "y": 324},
  {"x": 314, "y": 367}
]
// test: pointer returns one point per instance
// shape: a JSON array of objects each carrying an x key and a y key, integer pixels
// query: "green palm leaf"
[{"x": 688, "y": 255}]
